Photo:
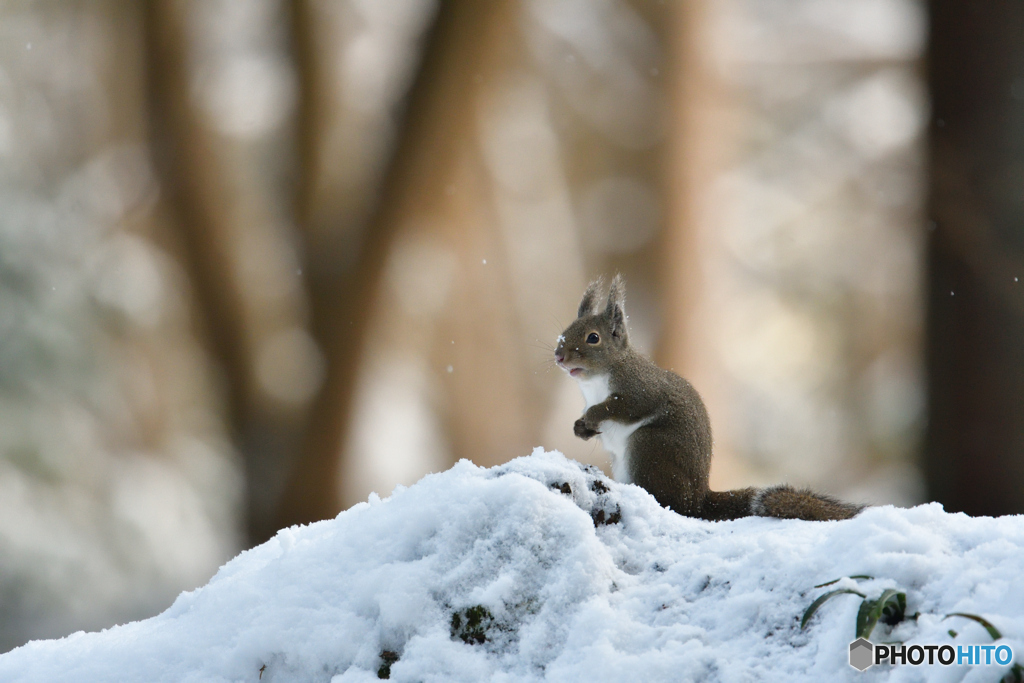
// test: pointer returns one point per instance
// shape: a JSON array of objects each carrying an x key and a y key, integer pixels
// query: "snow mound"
[{"x": 543, "y": 569}]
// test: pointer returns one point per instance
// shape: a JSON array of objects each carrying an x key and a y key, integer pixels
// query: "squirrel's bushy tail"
[{"x": 783, "y": 502}]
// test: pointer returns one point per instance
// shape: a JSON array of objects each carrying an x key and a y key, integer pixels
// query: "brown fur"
[{"x": 670, "y": 455}]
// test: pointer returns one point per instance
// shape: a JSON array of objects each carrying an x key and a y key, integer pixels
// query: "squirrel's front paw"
[{"x": 583, "y": 431}]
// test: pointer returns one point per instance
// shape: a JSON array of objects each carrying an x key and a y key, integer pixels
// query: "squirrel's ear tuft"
[
  {"x": 616, "y": 308},
  {"x": 588, "y": 306}
]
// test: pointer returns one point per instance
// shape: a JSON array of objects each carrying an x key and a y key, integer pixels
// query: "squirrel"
[{"x": 655, "y": 425}]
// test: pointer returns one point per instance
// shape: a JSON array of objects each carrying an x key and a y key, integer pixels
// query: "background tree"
[{"x": 975, "y": 447}]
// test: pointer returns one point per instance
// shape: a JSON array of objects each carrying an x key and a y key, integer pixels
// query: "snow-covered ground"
[{"x": 543, "y": 569}]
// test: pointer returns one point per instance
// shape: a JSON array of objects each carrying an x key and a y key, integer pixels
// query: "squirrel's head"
[{"x": 592, "y": 342}]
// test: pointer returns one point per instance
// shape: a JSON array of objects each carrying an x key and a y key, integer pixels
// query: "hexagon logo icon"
[{"x": 862, "y": 654}]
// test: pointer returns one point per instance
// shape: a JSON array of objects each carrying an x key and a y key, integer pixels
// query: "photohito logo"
[{"x": 864, "y": 653}]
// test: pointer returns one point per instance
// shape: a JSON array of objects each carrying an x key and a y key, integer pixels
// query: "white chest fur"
[
  {"x": 615, "y": 439},
  {"x": 614, "y": 435},
  {"x": 595, "y": 389}
]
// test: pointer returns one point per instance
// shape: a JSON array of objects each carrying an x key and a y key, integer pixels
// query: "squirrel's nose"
[{"x": 559, "y": 356}]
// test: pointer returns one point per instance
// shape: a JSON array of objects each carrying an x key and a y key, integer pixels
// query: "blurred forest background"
[{"x": 259, "y": 258}]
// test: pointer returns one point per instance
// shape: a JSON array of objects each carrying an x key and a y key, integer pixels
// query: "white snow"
[{"x": 651, "y": 596}]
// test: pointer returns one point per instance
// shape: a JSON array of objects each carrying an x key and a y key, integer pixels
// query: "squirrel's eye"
[{"x": 592, "y": 338}]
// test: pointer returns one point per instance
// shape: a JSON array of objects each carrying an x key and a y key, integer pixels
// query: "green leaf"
[
  {"x": 821, "y": 600},
  {"x": 863, "y": 617},
  {"x": 891, "y": 604},
  {"x": 855, "y": 576},
  {"x": 894, "y": 609},
  {"x": 992, "y": 630}
]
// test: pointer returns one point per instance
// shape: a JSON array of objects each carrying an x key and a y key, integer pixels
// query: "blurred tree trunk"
[
  {"x": 974, "y": 458},
  {"x": 691, "y": 164},
  {"x": 197, "y": 184},
  {"x": 496, "y": 400},
  {"x": 700, "y": 142},
  {"x": 343, "y": 284}
]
